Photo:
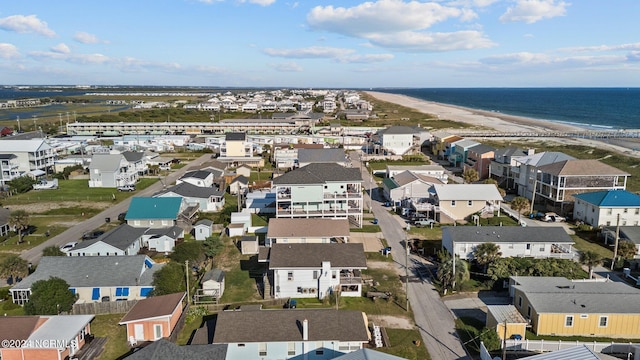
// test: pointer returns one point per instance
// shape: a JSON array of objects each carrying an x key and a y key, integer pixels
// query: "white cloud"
[
  {"x": 61, "y": 49},
  {"x": 531, "y": 11},
  {"x": 9, "y": 51},
  {"x": 365, "y": 59},
  {"x": 86, "y": 38},
  {"x": 56, "y": 54},
  {"x": 287, "y": 67},
  {"x": 400, "y": 25},
  {"x": 433, "y": 42},
  {"x": 621, "y": 47},
  {"x": 313, "y": 52},
  {"x": 527, "y": 59},
  {"x": 26, "y": 24},
  {"x": 472, "y": 3},
  {"x": 382, "y": 16}
]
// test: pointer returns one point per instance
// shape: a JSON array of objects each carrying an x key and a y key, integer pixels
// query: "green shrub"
[{"x": 9, "y": 305}]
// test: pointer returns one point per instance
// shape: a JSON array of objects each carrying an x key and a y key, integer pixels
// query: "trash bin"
[{"x": 107, "y": 219}]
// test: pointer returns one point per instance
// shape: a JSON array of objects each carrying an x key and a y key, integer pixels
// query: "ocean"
[{"x": 604, "y": 108}]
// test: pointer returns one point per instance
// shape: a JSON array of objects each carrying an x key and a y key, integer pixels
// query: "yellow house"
[
  {"x": 500, "y": 317},
  {"x": 558, "y": 306}
]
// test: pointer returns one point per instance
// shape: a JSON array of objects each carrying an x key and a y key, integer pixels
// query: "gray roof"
[
  {"x": 93, "y": 271},
  {"x": 133, "y": 156},
  {"x": 340, "y": 255},
  {"x": 165, "y": 350},
  {"x": 322, "y": 156},
  {"x": 482, "y": 149},
  {"x": 213, "y": 274},
  {"x": 510, "y": 151},
  {"x": 63, "y": 328},
  {"x": 197, "y": 174},
  {"x": 319, "y": 173},
  {"x": 286, "y": 325},
  {"x": 205, "y": 222},
  {"x": 173, "y": 232},
  {"x": 105, "y": 162},
  {"x": 368, "y": 354},
  {"x": 235, "y": 136},
  {"x": 121, "y": 237},
  {"x": 631, "y": 233},
  {"x": 562, "y": 296},
  {"x": 581, "y": 352},
  {"x": 466, "y": 192},
  {"x": 241, "y": 179},
  {"x": 507, "y": 234},
  {"x": 544, "y": 158},
  {"x": 306, "y": 228},
  {"x": 399, "y": 130},
  {"x": 506, "y": 313},
  {"x": 186, "y": 189}
]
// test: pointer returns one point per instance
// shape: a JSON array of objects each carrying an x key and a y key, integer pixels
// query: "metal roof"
[
  {"x": 467, "y": 192},
  {"x": 611, "y": 198},
  {"x": 142, "y": 208},
  {"x": 581, "y": 352},
  {"x": 61, "y": 327}
]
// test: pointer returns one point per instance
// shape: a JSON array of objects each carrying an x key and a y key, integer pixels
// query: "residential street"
[
  {"x": 434, "y": 320},
  {"x": 74, "y": 233}
]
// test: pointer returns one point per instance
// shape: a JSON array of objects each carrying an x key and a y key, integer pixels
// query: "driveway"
[{"x": 74, "y": 233}]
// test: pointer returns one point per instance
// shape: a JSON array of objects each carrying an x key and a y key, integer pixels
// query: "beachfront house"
[
  {"x": 559, "y": 181},
  {"x": 513, "y": 241},
  {"x": 502, "y": 164},
  {"x": 316, "y": 270},
  {"x": 525, "y": 170},
  {"x": 556, "y": 306},
  {"x": 479, "y": 158},
  {"x": 398, "y": 140},
  {"x": 459, "y": 152},
  {"x": 457, "y": 202},
  {"x": 606, "y": 208},
  {"x": 441, "y": 145},
  {"x": 321, "y": 190}
]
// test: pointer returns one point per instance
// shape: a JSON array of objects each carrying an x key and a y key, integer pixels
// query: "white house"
[
  {"x": 398, "y": 140},
  {"x": 200, "y": 178},
  {"x": 514, "y": 241},
  {"x": 32, "y": 154},
  {"x": 110, "y": 171},
  {"x": 203, "y": 229},
  {"x": 408, "y": 187},
  {"x": 121, "y": 241},
  {"x": 208, "y": 199},
  {"x": 239, "y": 184},
  {"x": 607, "y": 208},
  {"x": 162, "y": 239},
  {"x": 94, "y": 278},
  {"x": 288, "y": 334},
  {"x": 316, "y": 270},
  {"x": 213, "y": 283},
  {"x": 433, "y": 170}
]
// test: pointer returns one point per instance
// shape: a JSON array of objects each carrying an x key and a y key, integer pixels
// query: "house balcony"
[
  {"x": 350, "y": 283},
  {"x": 349, "y": 194}
]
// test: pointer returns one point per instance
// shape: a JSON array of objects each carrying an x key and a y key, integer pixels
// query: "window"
[
  {"x": 519, "y": 301},
  {"x": 240, "y": 345},
  {"x": 603, "y": 321},
  {"x": 470, "y": 203},
  {"x": 529, "y": 311},
  {"x": 157, "y": 331},
  {"x": 262, "y": 349},
  {"x": 319, "y": 348},
  {"x": 334, "y": 274},
  {"x": 290, "y": 276},
  {"x": 637, "y": 211},
  {"x": 528, "y": 247},
  {"x": 315, "y": 274},
  {"x": 568, "y": 321},
  {"x": 625, "y": 210},
  {"x": 608, "y": 211},
  {"x": 541, "y": 248},
  {"x": 291, "y": 348},
  {"x": 453, "y": 203}
]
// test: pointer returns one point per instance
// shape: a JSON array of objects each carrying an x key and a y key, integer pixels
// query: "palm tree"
[
  {"x": 14, "y": 266},
  {"x": 19, "y": 219},
  {"x": 590, "y": 259},
  {"x": 445, "y": 273},
  {"x": 486, "y": 253},
  {"x": 520, "y": 203}
]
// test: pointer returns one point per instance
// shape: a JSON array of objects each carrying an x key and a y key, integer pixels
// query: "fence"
[
  {"x": 220, "y": 307},
  {"x": 546, "y": 346},
  {"x": 107, "y": 307}
]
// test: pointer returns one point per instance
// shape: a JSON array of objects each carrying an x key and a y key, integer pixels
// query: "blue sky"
[{"x": 321, "y": 43}]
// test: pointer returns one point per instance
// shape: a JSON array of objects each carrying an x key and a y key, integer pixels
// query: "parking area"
[
  {"x": 475, "y": 304},
  {"x": 370, "y": 241}
]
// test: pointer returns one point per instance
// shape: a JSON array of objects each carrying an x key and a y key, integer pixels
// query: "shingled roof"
[
  {"x": 312, "y": 255},
  {"x": 121, "y": 237},
  {"x": 189, "y": 190},
  {"x": 507, "y": 234},
  {"x": 581, "y": 167},
  {"x": 313, "y": 227},
  {"x": 286, "y": 325},
  {"x": 155, "y": 306},
  {"x": 319, "y": 173}
]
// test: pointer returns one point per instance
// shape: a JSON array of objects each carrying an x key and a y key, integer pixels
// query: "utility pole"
[
  {"x": 186, "y": 274},
  {"x": 504, "y": 342},
  {"x": 615, "y": 247},
  {"x": 18, "y": 118},
  {"x": 406, "y": 267},
  {"x": 533, "y": 195}
]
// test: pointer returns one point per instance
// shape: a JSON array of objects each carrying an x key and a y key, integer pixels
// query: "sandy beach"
[{"x": 506, "y": 123}]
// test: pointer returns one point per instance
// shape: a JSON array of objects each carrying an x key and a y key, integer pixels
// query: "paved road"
[
  {"x": 433, "y": 319},
  {"x": 74, "y": 233}
]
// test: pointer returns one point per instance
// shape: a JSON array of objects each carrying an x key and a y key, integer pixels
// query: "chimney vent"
[{"x": 305, "y": 330}]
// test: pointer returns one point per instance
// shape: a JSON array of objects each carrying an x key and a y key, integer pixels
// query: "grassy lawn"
[
  {"x": 403, "y": 344},
  {"x": 257, "y": 220},
  {"x": 107, "y": 326},
  {"x": 367, "y": 228},
  {"x": 241, "y": 272},
  {"x": 588, "y": 241},
  {"x": 531, "y": 336},
  {"x": 469, "y": 329},
  {"x": 76, "y": 190}
]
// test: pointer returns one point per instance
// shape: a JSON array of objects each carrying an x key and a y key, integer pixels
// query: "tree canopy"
[
  {"x": 520, "y": 203},
  {"x": 50, "y": 297},
  {"x": 19, "y": 219},
  {"x": 14, "y": 266},
  {"x": 191, "y": 251},
  {"x": 486, "y": 253},
  {"x": 445, "y": 273},
  {"x": 590, "y": 259},
  {"x": 213, "y": 245},
  {"x": 170, "y": 279},
  {"x": 470, "y": 176},
  {"x": 21, "y": 184},
  {"x": 52, "y": 251},
  {"x": 504, "y": 267}
]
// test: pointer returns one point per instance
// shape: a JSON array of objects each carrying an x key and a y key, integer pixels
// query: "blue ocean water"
[{"x": 615, "y": 108}]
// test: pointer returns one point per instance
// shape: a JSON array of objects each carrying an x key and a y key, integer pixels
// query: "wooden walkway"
[
  {"x": 599, "y": 134},
  {"x": 92, "y": 350}
]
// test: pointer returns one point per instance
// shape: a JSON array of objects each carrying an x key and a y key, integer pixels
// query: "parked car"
[
  {"x": 68, "y": 246},
  {"x": 122, "y": 216},
  {"x": 424, "y": 222},
  {"x": 92, "y": 235},
  {"x": 553, "y": 217},
  {"x": 127, "y": 188}
]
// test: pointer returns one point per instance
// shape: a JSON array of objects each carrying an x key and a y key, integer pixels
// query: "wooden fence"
[{"x": 107, "y": 307}]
